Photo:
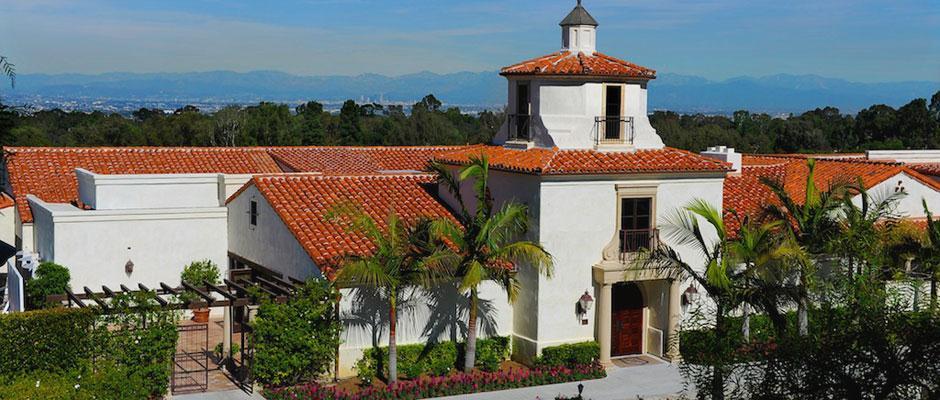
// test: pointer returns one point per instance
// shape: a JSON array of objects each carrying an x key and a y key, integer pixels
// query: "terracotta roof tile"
[
  {"x": 49, "y": 172},
  {"x": 746, "y": 195},
  {"x": 932, "y": 169},
  {"x": 363, "y": 160},
  {"x": 567, "y": 63},
  {"x": 541, "y": 161},
  {"x": 303, "y": 200}
]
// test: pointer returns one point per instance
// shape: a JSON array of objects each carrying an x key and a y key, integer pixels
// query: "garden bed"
[{"x": 510, "y": 375}]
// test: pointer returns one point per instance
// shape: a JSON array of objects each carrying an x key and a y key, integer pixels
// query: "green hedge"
[
  {"x": 569, "y": 355},
  {"x": 52, "y": 340},
  {"x": 438, "y": 359},
  {"x": 102, "y": 354}
]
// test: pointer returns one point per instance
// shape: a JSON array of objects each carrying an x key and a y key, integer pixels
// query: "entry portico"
[{"x": 638, "y": 312}]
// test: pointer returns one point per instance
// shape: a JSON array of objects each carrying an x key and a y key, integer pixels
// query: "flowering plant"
[{"x": 454, "y": 384}]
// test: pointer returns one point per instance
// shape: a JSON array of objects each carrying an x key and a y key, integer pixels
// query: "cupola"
[{"x": 579, "y": 31}]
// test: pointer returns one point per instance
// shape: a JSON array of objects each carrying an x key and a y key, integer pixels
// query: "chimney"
[{"x": 726, "y": 154}]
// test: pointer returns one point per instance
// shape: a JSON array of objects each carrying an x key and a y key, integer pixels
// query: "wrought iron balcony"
[
  {"x": 634, "y": 240},
  {"x": 614, "y": 130},
  {"x": 519, "y": 127}
]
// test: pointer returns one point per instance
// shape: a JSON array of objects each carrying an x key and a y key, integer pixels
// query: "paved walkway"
[
  {"x": 658, "y": 381},
  {"x": 223, "y": 395}
]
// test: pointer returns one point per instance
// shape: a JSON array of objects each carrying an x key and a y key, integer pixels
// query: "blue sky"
[{"x": 858, "y": 40}]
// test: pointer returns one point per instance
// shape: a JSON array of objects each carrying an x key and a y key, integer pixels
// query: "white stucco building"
[{"x": 577, "y": 149}]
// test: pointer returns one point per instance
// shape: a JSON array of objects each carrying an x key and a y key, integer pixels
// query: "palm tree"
[
  {"x": 812, "y": 224},
  {"x": 685, "y": 229},
  {"x": 764, "y": 258},
  {"x": 861, "y": 228},
  {"x": 487, "y": 244},
  {"x": 931, "y": 255},
  {"x": 404, "y": 257}
]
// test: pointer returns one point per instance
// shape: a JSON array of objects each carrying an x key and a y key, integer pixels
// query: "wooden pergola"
[
  {"x": 234, "y": 292},
  {"x": 237, "y": 295}
]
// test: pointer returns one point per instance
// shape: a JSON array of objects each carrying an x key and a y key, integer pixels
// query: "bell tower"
[{"x": 578, "y": 97}]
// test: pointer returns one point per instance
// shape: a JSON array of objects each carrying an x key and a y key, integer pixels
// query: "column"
[
  {"x": 226, "y": 331},
  {"x": 675, "y": 316},
  {"x": 603, "y": 322}
]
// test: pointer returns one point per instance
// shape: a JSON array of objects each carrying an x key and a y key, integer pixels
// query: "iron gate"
[{"x": 191, "y": 362}]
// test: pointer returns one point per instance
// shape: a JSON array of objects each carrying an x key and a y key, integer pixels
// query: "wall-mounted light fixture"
[
  {"x": 129, "y": 265},
  {"x": 584, "y": 305},
  {"x": 690, "y": 295}
]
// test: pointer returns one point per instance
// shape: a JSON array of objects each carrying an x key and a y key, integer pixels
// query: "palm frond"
[
  {"x": 530, "y": 253},
  {"x": 8, "y": 69}
]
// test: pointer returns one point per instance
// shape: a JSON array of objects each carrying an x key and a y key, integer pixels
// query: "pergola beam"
[
  {"x": 73, "y": 298},
  {"x": 91, "y": 295}
]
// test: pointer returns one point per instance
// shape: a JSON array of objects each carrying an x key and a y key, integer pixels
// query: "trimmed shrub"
[
  {"x": 490, "y": 352},
  {"x": 50, "y": 353},
  {"x": 51, "y": 340},
  {"x": 438, "y": 359},
  {"x": 569, "y": 355},
  {"x": 107, "y": 381},
  {"x": 413, "y": 360},
  {"x": 50, "y": 278},
  {"x": 296, "y": 341}
]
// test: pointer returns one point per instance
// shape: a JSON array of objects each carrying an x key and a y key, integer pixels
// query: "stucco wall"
[
  {"x": 8, "y": 225},
  {"x": 439, "y": 313},
  {"x": 269, "y": 243},
  {"x": 365, "y": 316},
  {"x": 121, "y": 192},
  {"x": 564, "y": 110},
  {"x": 910, "y": 205},
  {"x": 578, "y": 219},
  {"x": 96, "y": 245}
]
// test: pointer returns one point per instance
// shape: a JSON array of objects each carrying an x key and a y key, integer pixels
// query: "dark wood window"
[
  {"x": 253, "y": 213},
  {"x": 612, "y": 113},
  {"x": 522, "y": 111},
  {"x": 635, "y": 223}
]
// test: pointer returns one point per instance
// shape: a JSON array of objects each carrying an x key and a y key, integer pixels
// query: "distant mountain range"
[{"x": 775, "y": 94}]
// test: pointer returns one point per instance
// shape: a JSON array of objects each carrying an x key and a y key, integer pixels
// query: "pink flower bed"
[{"x": 455, "y": 384}]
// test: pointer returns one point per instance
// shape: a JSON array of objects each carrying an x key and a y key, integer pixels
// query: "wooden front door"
[{"x": 627, "y": 320}]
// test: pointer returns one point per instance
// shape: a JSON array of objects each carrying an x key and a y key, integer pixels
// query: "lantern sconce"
[
  {"x": 690, "y": 295},
  {"x": 584, "y": 305},
  {"x": 129, "y": 267}
]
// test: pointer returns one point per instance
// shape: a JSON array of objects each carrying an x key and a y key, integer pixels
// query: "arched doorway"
[{"x": 626, "y": 334}]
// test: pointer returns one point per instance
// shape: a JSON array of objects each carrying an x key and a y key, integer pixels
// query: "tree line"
[
  {"x": 916, "y": 125},
  {"x": 264, "y": 124}
]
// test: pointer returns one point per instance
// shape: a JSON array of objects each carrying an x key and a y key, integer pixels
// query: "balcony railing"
[
  {"x": 614, "y": 130},
  {"x": 519, "y": 127},
  {"x": 635, "y": 240}
]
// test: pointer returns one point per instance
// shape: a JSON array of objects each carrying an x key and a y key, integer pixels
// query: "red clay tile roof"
[
  {"x": 49, "y": 172},
  {"x": 566, "y": 63},
  {"x": 746, "y": 195},
  {"x": 5, "y": 200},
  {"x": 541, "y": 161},
  {"x": 362, "y": 160},
  {"x": 932, "y": 169},
  {"x": 303, "y": 200}
]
